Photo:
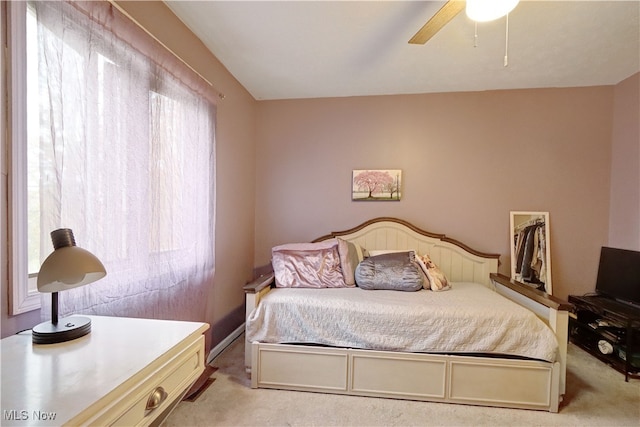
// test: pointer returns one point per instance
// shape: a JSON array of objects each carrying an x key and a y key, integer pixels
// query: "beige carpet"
[{"x": 596, "y": 395}]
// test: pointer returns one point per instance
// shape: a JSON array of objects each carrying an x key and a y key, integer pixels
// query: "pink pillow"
[
  {"x": 350, "y": 256},
  {"x": 308, "y": 265}
]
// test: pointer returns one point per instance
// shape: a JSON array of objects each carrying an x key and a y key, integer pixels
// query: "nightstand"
[{"x": 125, "y": 372}]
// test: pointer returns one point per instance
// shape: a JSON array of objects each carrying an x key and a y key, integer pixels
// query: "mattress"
[{"x": 469, "y": 318}]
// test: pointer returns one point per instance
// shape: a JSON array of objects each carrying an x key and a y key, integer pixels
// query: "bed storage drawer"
[
  {"x": 484, "y": 380},
  {"x": 527, "y": 384},
  {"x": 408, "y": 375},
  {"x": 300, "y": 367}
]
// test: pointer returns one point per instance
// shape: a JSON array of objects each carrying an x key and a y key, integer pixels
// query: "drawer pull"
[{"x": 157, "y": 397}]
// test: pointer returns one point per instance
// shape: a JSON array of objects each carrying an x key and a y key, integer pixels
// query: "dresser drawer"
[
  {"x": 165, "y": 386},
  {"x": 149, "y": 394}
]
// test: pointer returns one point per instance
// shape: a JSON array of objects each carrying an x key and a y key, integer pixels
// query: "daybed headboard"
[{"x": 459, "y": 262}]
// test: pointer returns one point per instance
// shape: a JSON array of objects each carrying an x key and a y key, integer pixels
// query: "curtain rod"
[{"x": 125, "y": 13}]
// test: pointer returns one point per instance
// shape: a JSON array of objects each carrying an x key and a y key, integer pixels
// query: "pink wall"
[
  {"x": 624, "y": 219},
  {"x": 468, "y": 159}
]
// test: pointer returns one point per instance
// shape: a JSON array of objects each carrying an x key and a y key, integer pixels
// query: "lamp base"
[{"x": 67, "y": 329}]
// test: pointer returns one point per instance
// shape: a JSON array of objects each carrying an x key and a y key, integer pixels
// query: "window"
[
  {"x": 120, "y": 148},
  {"x": 23, "y": 259}
]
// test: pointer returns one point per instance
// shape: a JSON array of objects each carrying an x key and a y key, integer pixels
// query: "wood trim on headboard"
[{"x": 441, "y": 237}]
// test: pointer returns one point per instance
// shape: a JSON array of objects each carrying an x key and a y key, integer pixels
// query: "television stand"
[{"x": 598, "y": 320}]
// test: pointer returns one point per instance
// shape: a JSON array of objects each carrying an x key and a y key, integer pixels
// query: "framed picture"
[{"x": 376, "y": 184}]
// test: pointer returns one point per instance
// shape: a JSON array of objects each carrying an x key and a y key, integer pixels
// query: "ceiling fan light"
[{"x": 488, "y": 10}]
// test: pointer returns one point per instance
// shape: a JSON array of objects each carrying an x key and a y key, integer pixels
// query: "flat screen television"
[{"x": 619, "y": 275}]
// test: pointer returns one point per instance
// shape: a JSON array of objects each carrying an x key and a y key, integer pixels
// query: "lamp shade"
[
  {"x": 488, "y": 10},
  {"x": 68, "y": 266}
]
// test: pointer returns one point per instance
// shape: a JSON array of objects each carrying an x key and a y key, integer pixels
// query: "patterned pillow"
[
  {"x": 437, "y": 280},
  {"x": 394, "y": 271}
]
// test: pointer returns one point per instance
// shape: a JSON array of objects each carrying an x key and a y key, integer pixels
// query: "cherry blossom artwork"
[{"x": 376, "y": 184}]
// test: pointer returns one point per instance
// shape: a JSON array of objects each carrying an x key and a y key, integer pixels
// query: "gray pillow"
[{"x": 396, "y": 271}]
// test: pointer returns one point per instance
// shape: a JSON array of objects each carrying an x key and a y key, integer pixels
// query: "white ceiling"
[{"x": 312, "y": 49}]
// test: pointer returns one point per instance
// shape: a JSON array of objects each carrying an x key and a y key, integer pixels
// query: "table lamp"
[{"x": 67, "y": 267}]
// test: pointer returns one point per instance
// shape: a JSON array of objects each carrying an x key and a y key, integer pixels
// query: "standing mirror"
[{"x": 530, "y": 249}]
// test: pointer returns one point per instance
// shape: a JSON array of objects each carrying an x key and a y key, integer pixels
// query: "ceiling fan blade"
[{"x": 446, "y": 13}]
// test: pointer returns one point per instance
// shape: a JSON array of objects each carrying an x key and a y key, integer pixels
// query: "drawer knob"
[{"x": 157, "y": 397}]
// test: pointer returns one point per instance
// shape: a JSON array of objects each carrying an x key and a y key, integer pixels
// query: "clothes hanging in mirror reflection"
[{"x": 530, "y": 247}]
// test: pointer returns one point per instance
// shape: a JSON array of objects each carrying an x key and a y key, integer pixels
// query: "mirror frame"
[{"x": 522, "y": 218}]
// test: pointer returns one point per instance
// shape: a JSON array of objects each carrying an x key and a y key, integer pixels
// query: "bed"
[{"x": 412, "y": 356}]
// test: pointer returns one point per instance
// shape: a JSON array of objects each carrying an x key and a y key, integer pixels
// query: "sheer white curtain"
[{"x": 126, "y": 139}]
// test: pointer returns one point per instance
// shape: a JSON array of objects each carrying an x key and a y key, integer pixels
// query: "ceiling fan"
[
  {"x": 477, "y": 10},
  {"x": 441, "y": 18}
]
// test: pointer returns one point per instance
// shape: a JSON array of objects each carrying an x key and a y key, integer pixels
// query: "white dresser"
[{"x": 125, "y": 372}]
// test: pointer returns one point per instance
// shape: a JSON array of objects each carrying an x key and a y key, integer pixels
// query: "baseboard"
[{"x": 215, "y": 351}]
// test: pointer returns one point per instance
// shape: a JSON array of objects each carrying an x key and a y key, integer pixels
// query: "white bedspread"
[{"x": 469, "y": 318}]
